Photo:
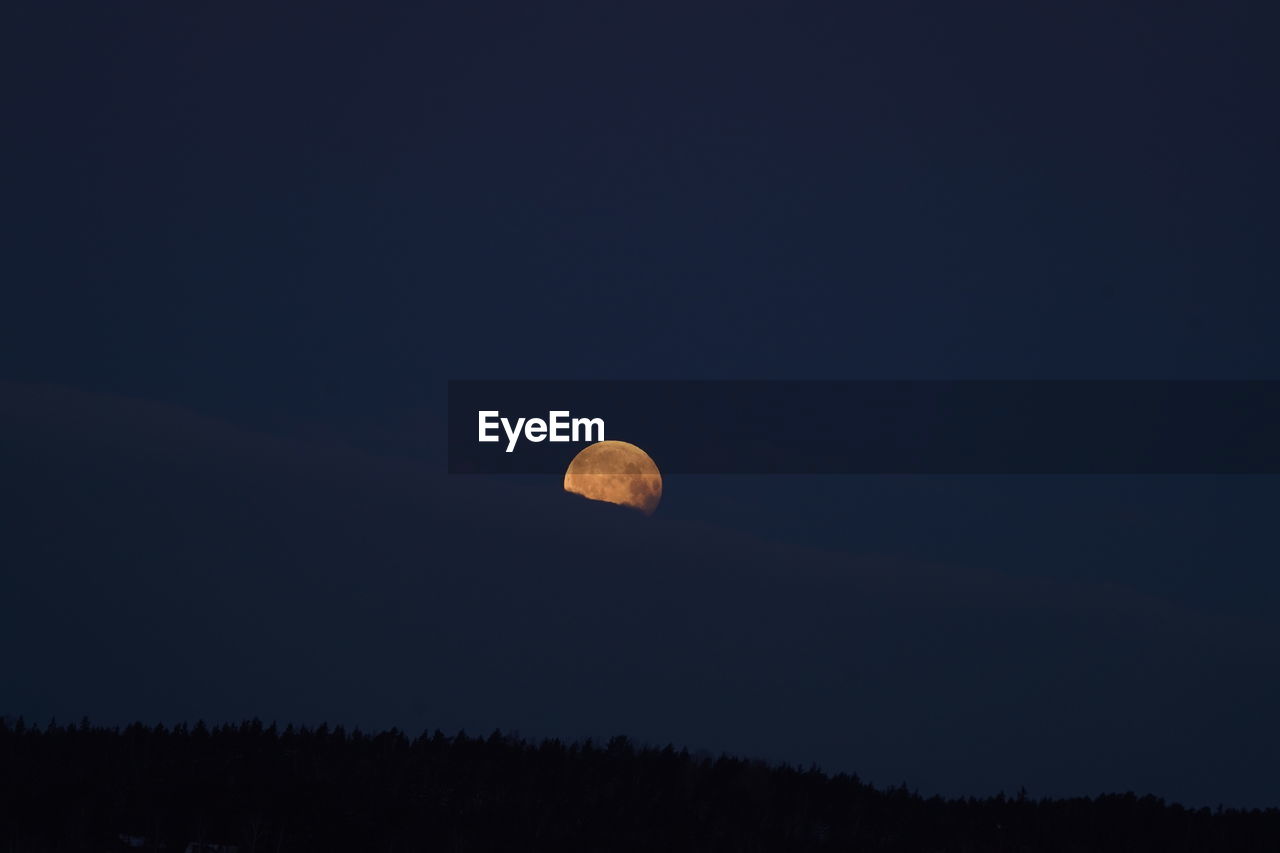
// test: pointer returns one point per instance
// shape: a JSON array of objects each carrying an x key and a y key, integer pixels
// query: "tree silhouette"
[{"x": 266, "y": 790}]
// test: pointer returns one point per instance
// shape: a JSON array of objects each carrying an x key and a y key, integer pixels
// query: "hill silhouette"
[{"x": 260, "y": 788}]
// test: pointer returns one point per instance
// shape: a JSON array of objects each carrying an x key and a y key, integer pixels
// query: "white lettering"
[
  {"x": 486, "y": 425},
  {"x": 559, "y": 421},
  {"x": 512, "y": 434},
  {"x": 558, "y": 427},
  {"x": 587, "y": 423}
]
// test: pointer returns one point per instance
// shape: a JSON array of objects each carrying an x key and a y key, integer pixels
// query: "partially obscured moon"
[{"x": 616, "y": 472}]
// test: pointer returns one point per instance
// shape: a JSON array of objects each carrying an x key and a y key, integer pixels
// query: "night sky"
[{"x": 246, "y": 248}]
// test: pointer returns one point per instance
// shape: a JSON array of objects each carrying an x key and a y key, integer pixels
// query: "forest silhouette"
[{"x": 263, "y": 789}]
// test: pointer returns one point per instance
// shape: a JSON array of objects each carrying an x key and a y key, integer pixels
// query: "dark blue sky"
[{"x": 299, "y": 223}]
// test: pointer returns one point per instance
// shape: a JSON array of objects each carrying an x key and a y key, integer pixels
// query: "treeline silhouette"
[{"x": 267, "y": 790}]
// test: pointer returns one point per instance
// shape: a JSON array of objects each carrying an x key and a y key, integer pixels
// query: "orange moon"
[{"x": 615, "y": 472}]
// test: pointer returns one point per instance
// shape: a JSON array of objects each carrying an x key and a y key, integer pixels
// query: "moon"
[{"x": 616, "y": 472}]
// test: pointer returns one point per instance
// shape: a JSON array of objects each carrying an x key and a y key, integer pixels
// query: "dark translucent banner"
[{"x": 972, "y": 427}]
